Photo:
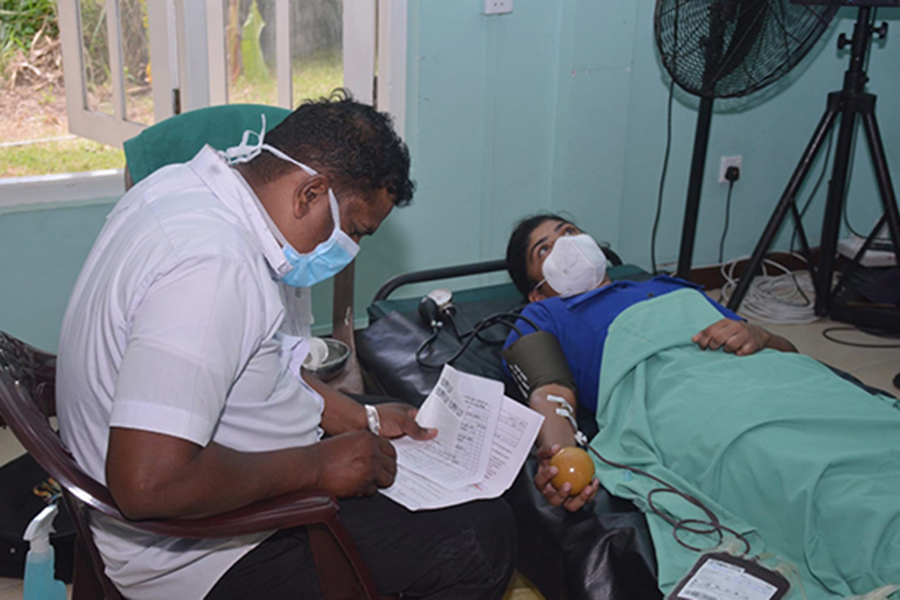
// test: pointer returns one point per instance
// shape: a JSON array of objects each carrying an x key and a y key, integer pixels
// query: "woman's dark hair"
[
  {"x": 517, "y": 249},
  {"x": 352, "y": 143}
]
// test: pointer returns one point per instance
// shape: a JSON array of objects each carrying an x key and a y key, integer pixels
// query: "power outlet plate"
[
  {"x": 497, "y": 7},
  {"x": 730, "y": 161}
]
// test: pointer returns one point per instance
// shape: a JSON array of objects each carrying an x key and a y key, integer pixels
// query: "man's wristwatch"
[{"x": 373, "y": 419}]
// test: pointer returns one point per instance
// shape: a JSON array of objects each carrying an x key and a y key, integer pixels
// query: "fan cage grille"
[{"x": 730, "y": 48}]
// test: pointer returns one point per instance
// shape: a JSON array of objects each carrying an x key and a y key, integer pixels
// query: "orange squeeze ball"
[{"x": 575, "y": 467}]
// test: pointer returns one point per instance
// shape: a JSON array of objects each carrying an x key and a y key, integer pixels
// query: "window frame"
[
  {"x": 391, "y": 53},
  {"x": 181, "y": 63},
  {"x": 358, "y": 43},
  {"x": 116, "y": 128}
]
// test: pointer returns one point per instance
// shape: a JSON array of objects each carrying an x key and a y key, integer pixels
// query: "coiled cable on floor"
[{"x": 788, "y": 297}]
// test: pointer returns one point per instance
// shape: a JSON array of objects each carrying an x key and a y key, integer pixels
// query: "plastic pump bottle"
[{"x": 39, "y": 581}]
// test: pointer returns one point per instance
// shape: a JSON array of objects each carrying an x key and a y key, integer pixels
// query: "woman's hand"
[
  {"x": 398, "y": 419},
  {"x": 740, "y": 338},
  {"x": 737, "y": 337},
  {"x": 560, "y": 497}
]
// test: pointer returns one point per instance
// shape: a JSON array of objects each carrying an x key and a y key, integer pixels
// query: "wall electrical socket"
[
  {"x": 497, "y": 7},
  {"x": 729, "y": 161}
]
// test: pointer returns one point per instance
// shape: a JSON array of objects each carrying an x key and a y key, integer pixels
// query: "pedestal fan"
[{"x": 726, "y": 49}]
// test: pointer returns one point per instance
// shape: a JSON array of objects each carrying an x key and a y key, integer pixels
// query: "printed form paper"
[
  {"x": 464, "y": 409},
  {"x": 502, "y": 446}
]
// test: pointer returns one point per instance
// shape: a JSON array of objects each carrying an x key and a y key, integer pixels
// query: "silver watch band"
[{"x": 373, "y": 419}]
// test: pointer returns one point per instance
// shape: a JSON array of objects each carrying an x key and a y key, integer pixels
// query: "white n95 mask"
[
  {"x": 575, "y": 264},
  {"x": 329, "y": 257}
]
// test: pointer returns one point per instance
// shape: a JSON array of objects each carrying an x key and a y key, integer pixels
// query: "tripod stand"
[{"x": 849, "y": 103}]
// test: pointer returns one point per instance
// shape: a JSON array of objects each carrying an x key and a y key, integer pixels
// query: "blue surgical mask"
[
  {"x": 329, "y": 257},
  {"x": 325, "y": 260}
]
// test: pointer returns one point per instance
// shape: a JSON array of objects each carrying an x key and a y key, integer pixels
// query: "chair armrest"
[
  {"x": 342, "y": 572},
  {"x": 288, "y": 510}
]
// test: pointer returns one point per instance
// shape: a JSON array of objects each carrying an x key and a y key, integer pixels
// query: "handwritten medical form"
[{"x": 483, "y": 440}]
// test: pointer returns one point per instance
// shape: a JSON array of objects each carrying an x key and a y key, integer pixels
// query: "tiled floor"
[{"x": 874, "y": 366}]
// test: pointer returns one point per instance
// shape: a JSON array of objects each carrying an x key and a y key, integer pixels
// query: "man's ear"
[{"x": 311, "y": 190}]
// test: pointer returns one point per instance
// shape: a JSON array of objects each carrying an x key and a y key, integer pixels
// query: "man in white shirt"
[{"x": 176, "y": 389}]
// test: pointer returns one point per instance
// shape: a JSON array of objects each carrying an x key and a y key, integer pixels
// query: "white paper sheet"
[
  {"x": 464, "y": 408},
  {"x": 516, "y": 429}
]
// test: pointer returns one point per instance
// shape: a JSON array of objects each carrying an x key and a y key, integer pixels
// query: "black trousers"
[{"x": 464, "y": 552}]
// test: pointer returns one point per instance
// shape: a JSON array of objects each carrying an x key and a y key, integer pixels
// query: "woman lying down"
[{"x": 791, "y": 459}]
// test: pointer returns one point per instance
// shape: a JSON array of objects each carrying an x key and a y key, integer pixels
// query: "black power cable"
[
  {"x": 662, "y": 176},
  {"x": 828, "y": 335},
  {"x": 732, "y": 174}
]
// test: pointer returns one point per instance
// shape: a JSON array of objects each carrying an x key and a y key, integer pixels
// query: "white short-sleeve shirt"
[{"x": 173, "y": 328}]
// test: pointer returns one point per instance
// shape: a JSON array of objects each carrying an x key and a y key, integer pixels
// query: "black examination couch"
[{"x": 603, "y": 552}]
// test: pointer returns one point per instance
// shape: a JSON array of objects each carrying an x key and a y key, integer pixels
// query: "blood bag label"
[{"x": 718, "y": 580}]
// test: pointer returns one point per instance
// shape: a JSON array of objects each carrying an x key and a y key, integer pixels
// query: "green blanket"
[{"x": 804, "y": 463}]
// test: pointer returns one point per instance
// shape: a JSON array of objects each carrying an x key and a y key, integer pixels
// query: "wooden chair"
[{"x": 27, "y": 399}]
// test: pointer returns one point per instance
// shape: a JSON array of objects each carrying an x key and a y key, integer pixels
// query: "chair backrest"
[
  {"x": 32, "y": 368},
  {"x": 179, "y": 138},
  {"x": 20, "y": 373},
  {"x": 27, "y": 378}
]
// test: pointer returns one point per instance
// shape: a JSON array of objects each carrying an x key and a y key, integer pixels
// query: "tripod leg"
[
  {"x": 786, "y": 202},
  {"x": 831, "y": 221},
  {"x": 883, "y": 175},
  {"x": 804, "y": 243}
]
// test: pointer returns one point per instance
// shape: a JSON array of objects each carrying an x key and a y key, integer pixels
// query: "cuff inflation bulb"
[{"x": 39, "y": 582}]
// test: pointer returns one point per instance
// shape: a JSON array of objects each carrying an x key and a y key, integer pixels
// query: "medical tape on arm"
[{"x": 565, "y": 411}]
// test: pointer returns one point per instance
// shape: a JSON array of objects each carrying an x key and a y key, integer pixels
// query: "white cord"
[{"x": 785, "y": 298}]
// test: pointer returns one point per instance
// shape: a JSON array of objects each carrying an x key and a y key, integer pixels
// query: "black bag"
[{"x": 25, "y": 489}]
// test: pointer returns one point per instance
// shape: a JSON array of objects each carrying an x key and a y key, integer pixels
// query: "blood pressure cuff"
[{"x": 537, "y": 359}]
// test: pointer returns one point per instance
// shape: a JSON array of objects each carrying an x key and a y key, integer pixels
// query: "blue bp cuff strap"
[{"x": 537, "y": 359}]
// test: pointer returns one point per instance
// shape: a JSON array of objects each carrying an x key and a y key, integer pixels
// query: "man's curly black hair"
[{"x": 352, "y": 143}]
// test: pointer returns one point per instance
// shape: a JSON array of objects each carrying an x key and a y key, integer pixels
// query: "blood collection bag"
[{"x": 722, "y": 576}]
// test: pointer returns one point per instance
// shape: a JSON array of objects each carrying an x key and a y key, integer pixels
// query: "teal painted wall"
[
  {"x": 41, "y": 253},
  {"x": 559, "y": 105}
]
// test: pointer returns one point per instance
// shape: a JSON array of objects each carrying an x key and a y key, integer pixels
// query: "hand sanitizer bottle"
[{"x": 39, "y": 581}]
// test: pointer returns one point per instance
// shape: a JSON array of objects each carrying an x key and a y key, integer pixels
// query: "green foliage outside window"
[{"x": 20, "y": 22}]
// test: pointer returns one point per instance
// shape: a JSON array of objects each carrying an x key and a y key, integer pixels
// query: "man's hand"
[
  {"x": 355, "y": 464},
  {"x": 737, "y": 337},
  {"x": 399, "y": 419},
  {"x": 560, "y": 497}
]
